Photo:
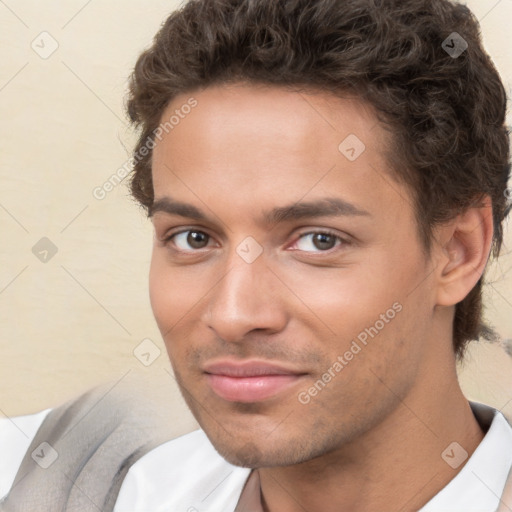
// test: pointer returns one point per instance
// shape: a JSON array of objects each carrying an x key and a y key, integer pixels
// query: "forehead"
[
  {"x": 270, "y": 144},
  {"x": 271, "y": 118}
]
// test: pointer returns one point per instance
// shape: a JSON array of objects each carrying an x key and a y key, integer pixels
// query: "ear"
[{"x": 463, "y": 247}]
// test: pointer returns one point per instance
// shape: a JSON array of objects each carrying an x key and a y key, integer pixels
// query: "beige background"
[{"x": 74, "y": 321}]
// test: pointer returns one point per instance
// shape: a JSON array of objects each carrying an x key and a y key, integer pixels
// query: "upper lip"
[{"x": 251, "y": 368}]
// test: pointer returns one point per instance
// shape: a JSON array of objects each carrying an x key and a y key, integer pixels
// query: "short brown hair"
[{"x": 446, "y": 113}]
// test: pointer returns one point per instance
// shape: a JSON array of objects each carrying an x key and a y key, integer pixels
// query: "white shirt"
[
  {"x": 16, "y": 434},
  {"x": 151, "y": 483},
  {"x": 479, "y": 485}
]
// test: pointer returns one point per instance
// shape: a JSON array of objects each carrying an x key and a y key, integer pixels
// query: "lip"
[{"x": 249, "y": 381}]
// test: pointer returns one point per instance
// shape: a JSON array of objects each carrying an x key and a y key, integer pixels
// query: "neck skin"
[{"x": 395, "y": 466}]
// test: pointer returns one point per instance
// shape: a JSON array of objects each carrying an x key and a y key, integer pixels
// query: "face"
[{"x": 285, "y": 271}]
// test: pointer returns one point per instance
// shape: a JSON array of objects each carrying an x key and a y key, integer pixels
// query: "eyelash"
[{"x": 342, "y": 241}]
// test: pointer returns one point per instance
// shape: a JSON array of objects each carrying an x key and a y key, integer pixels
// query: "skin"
[{"x": 372, "y": 438}]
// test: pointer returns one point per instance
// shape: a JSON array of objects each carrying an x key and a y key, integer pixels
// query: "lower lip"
[{"x": 250, "y": 389}]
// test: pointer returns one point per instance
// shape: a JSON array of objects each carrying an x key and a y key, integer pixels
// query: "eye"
[
  {"x": 192, "y": 238},
  {"x": 318, "y": 241}
]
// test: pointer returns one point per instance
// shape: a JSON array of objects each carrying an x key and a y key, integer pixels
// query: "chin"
[
  {"x": 260, "y": 453},
  {"x": 248, "y": 455}
]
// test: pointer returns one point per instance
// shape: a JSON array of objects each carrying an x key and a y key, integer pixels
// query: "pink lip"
[{"x": 250, "y": 381}]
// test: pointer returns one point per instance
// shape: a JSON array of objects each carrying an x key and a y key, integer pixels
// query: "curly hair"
[{"x": 446, "y": 112}]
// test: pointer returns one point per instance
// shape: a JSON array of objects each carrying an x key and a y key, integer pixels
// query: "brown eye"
[
  {"x": 197, "y": 239},
  {"x": 324, "y": 241},
  {"x": 317, "y": 241},
  {"x": 190, "y": 239}
]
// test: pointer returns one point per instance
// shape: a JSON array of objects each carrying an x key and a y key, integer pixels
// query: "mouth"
[{"x": 249, "y": 381}]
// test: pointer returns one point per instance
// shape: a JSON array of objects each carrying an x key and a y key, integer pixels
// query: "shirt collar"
[
  {"x": 478, "y": 486},
  {"x": 480, "y": 483}
]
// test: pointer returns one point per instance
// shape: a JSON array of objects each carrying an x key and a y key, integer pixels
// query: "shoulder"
[{"x": 92, "y": 441}]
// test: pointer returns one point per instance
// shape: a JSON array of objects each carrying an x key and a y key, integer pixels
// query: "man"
[{"x": 326, "y": 182}]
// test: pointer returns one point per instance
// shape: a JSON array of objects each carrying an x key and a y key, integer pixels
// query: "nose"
[{"x": 248, "y": 298}]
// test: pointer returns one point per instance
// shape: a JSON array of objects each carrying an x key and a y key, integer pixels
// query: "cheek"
[
  {"x": 158, "y": 292},
  {"x": 346, "y": 300},
  {"x": 370, "y": 304},
  {"x": 168, "y": 301},
  {"x": 169, "y": 304},
  {"x": 177, "y": 294}
]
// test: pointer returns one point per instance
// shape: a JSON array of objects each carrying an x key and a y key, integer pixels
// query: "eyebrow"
[{"x": 324, "y": 207}]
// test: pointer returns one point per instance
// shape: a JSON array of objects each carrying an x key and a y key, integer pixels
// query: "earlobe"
[{"x": 465, "y": 244}]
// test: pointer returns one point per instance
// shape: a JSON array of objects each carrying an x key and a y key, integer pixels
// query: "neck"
[{"x": 398, "y": 465}]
